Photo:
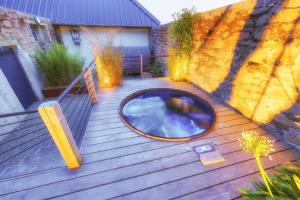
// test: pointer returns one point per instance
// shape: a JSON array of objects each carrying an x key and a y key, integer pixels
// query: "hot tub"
[{"x": 167, "y": 114}]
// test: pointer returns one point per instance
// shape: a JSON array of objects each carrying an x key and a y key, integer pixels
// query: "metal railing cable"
[
  {"x": 20, "y": 134},
  {"x": 17, "y": 113},
  {"x": 71, "y": 86},
  {"x": 77, "y": 104},
  {"x": 23, "y": 133}
]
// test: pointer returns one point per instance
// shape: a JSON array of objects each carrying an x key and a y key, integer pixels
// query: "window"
[{"x": 39, "y": 32}]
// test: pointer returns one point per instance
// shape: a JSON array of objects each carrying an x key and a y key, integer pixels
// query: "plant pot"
[{"x": 52, "y": 92}]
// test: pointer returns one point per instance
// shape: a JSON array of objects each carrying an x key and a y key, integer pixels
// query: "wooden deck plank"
[
  {"x": 148, "y": 150},
  {"x": 228, "y": 190},
  {"x": 100, "y": 162},
  {"x": 119, "y": 163},
  {"x": 118, "y": 144},
  {"x": 231, "y": 151},
  {"x": 106, "y": 139},
  {"x": 176, "y": 188},
  {"x": 169, "y": 188}
]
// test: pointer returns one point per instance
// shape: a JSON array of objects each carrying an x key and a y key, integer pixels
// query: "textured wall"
[
  {"x": 15, "y": 33},
  {"x": 248, "y": 55},
  {"x": 160, "y": 42},
  {"x": 15, "y": 26},
  {"x": 95, "y": 37}
]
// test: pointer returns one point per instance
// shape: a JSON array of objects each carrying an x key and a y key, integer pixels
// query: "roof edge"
[
  {"x": 103, "y": 25},
  {"x": 140, "y": 6}
]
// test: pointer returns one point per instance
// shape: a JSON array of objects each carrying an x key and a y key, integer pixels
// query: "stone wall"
[
  {"x": 248, "y": 55},
  {"x": 160, "y": 42},
  {"x": 15, "y": 33},
  {"x": 15, "y": 26}
]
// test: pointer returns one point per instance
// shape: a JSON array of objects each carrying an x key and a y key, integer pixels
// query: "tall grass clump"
[
  {"x": 109, "y": 65},
  {"x": 58, "y": 65}
]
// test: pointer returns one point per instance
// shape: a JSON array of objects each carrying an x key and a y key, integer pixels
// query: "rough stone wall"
[
  {"x": 248, "y": 55},
  {"x": 15, "y": 26},
  {"x": 160, "y": 42},
  {"x": 15, "y": 33}
]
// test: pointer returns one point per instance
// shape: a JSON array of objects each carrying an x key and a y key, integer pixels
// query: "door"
[{"x": 16, "y": 77}]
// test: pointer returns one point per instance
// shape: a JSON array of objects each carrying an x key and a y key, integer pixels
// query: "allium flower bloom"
[
  {"x": 259, "y": 145},
  {"x": 256, "y": 143}
]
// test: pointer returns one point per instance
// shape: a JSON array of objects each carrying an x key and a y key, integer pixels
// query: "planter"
[{"x": 53, "y": 92}]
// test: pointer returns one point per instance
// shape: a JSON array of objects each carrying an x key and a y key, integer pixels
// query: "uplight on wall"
[{"x": 75, "y": 34}]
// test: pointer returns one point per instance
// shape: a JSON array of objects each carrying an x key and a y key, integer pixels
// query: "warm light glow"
[
  {"x": 177, "y": 66},
  {"x": 212, "y": 60},
  {"x": 261, "y": 89},
  {"x": 108, "y": 59},
  {"x": 104, "y": 81},
  {"x": 107, "y": 80},
  {"x": 267, "y": 82}
]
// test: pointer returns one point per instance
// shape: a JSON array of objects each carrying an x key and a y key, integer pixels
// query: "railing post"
[
  {"x": 142, "y": 65},
  {"x": 58, "y": 127},
  {"x": 89, "y": 82}
]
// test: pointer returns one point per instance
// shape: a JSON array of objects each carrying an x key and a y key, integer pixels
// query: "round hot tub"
[{"x": 167, "y": 114}]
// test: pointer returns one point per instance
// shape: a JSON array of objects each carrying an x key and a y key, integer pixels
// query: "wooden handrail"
[{"x": 57, "y": 125}]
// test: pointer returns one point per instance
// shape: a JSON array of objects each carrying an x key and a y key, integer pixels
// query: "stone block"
[
  {"x": 7, "y": 24},
  {"x": 259, "y": 11},
  {"x": 263, "y": 20},
  {"x": 258, "y": 32},
  {"x": 292, "y": 4}
]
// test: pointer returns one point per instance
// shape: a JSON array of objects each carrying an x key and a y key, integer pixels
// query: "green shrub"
[
  {"x": 59, "y": 66},
  {"x": 156, "y": 69},
  {"x": 181, "y": 34},
  {"x": 285, "y": 186},
  {"x": 181, "y": 31}
]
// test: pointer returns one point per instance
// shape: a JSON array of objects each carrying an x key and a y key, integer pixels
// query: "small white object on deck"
[
  {"x": 203, "y": 149},
  {"x": 211, "y": 158},
  {"x": 188, "y": 148}
]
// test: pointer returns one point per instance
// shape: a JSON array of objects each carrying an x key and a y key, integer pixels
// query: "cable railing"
[
  {"x": 20, "y": 135},
  {"x": 62, "y": 121},
  {"x": 77, "y": 105}
]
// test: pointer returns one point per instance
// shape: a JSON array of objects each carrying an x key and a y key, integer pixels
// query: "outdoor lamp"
[{"x": 75, "y": 34}]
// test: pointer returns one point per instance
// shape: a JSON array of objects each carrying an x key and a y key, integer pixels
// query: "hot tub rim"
[{"x": 168, "y": 139}]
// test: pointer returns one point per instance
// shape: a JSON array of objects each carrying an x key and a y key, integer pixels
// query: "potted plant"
[
  {"x": 156, "y": 69},
  {"x": 59, "y": 68}
]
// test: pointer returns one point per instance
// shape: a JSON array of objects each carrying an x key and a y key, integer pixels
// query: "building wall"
[
  {"x": 248, "y": 55},
  {"x": 9, "y": 103},
  {"x": 16, "y": 26},
  {"x": 15, "y": 33},
  {"x": 97, "y": 37},
  {"x": 160, "y": 42}
]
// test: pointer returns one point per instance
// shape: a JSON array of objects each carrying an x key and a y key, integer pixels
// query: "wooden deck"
[{"x": 120, "y": 164}]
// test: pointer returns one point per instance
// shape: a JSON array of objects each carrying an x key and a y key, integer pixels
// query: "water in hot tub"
[{"x": 170, "y": 116}]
